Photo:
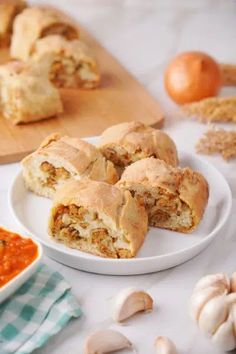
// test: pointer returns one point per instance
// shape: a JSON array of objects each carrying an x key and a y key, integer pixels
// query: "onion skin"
[{"x": 192, "y": 76}]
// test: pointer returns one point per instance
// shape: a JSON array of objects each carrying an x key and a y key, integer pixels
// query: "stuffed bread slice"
[
  {"x": 26, "y": 94},
  {"x": 175, "y": 198},
  {"x": 71, "y": 63},
  {"x": 128, "y": 142},
  {"x": 60, "y": 158},
  {"x": 98, "y": 218},
  {"x": 35, "y": 23}
]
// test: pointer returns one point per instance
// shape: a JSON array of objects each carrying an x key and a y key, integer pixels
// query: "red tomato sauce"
[{"x": 16, "y": 253}]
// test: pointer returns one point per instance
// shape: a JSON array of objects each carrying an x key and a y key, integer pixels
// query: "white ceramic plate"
[
  {"x": 162, "y": 249},
  {"x": 9, "y": 288}
]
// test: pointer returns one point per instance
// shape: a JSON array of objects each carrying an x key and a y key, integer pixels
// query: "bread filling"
[
  {"x": 122, "y": 157},
  {"x": 53, "y": 174},
  {"x": 86, "y": 76},
  {"x": 164, "y": 209},
  {"x": 85, "y": 230},
  {"x": 62, "y": 72},
  {"x": 65, "y": 72}
]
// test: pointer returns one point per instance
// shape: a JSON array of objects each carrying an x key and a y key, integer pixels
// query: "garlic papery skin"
[
  {"x": 233, "y": 283},
  {"x": 106, "y": 341},
  {"x": 233, "y": 315},
  {"x": 130, "y": 301},
  {"x": 213, "y": 314},
  {"x": 231, "y": 298},
  {"x": 200, "y": 298},
  {"x": 225, "y": 336},
  {"x": 164, "y": 345},
  {"x": 219, "y": 280}
]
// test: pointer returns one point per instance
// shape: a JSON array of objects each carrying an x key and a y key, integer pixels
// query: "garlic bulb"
[
  {"x": 219, "y": 280},
  {"x": 213, "y": 307}
]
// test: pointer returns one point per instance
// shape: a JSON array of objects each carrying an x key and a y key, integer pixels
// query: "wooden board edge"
[{"x": 18, "y": 156}]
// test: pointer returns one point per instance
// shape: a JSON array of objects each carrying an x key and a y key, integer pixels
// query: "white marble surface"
[{"x": 144, "y": 35}]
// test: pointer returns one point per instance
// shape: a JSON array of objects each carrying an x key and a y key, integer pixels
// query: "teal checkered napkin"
[{"x": 37, "y": 311}]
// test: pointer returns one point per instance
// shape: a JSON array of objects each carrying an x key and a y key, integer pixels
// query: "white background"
[{"x": 144, "y": 36}]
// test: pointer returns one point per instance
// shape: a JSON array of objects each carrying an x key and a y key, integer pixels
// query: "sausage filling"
[
  {"x": 121, "y": 157},
  {"x": 53, "y": 174},
  {"x": 82, "y": 229},
  {"x": 165, "y": 210},
  {"x": 65, "y": 72}
]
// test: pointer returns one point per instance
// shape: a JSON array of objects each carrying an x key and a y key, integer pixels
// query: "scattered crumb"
[
  {"x": 214, "y": 109},
  {"x": 218, "y": 141}
]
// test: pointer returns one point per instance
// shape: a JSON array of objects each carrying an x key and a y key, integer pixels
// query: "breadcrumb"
[
  {"x": 218, "y": 141},
  {"x": 214, "y": 109}
]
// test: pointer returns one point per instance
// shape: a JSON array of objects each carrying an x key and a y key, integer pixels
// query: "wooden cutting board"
[{"x": 119, "y": 98}]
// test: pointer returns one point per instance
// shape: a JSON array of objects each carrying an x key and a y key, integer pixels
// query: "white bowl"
[{"x": 10, "y": 287}]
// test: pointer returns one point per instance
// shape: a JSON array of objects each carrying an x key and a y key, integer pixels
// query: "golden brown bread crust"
[
  {"x": 128, "y": 142},
  {"x": 8, "y": 11},
  {"x": 119, "y": 212},
  {"x": 184, "y": 185},
  {"x": 72, "y": 63},
  {"x": 77, "y": 157},
  {"x": 80, "y": 154},
  {"x": 34, "y": 23},
  {"x": 26, "y": 94}
]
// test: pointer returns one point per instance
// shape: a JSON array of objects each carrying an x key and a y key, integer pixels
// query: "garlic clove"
[
  {"x": 213, "y": 314},
  {"x": 164, "y": 345},
  {"x": 233, "y": 314},
  {"x": 231, "y": 298},
  {"x": 224, "y": 336},
  {"x": 200, "y": 298},
  {"x": 130, "y": 301},
  {"x": 219, "y": 280},
  {"x": 233, "y": 283},
  {"x": 106, "y": 341}
]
